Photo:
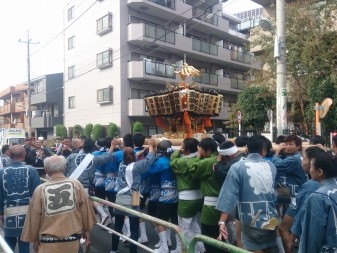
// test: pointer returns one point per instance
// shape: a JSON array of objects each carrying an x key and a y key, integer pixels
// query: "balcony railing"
[
  {"x": 160, "y": 34},
  {"x": 206, "y": 78},
  {"x": 7, "y": 125},
  {"x": 166, "y": 3},
  {"x": 234, "y": 32},
  {"x": 159, "y": 69},
  {"x": 204, "y": 47},
  {"x": 206, "y": 17},
  {"x": 7, "y": 108},
  {"x": 241, "y": 56},
  {"x": 237, "y": 83}
]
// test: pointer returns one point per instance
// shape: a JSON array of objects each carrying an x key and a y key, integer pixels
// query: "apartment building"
[
  {"x": 13, "y": 107},
  {"x": 116, "y": 51},
  {"x": 47, "y": 104}
]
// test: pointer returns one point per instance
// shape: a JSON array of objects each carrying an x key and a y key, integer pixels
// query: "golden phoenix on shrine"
[{"x": 184, "y": 109}]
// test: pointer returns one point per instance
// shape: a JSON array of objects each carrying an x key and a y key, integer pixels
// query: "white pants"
[{"x": 191, "y": 227}]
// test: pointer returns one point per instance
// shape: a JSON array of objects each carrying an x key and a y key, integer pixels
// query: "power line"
[
  {"x": 50, "y": 41},
  {"x": 134, "y": 51},
  {"x": 168, "y": 31}
]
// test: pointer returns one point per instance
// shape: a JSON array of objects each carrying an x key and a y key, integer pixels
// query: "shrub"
[
  {"x": 97, "y": 132},
  {"x": 88, "y": 130},
  {"x": 61, "y": 131},
  {"x": 137, "y": 127},
  {"x": 112, "y": 130},
  {"x": 77, "y": 131}
]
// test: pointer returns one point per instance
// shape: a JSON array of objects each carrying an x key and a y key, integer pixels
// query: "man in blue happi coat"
[
  {"x": 17, "y": 184},
  {"x": 249, "y": 185},
  {"x": 319, "y": 213}
]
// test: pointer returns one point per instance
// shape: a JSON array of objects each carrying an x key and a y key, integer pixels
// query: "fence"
[
  {"x": 215, "y": 243},
  {"x": 145, "y": 217},
  {"x": 186, "y": 248},
  {"x": 4, "y": 248}
]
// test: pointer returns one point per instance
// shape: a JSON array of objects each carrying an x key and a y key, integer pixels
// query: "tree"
[
  {"x": 137, "y": 127},
  {"x": 311, "y": 52},
  {"x": 61, "y": 131},
  {"x": 97, "y": 132},
  {"x": 88, "y": 130},
  {"x": 112, "y": 130},
  {"x": 77, "y": 131},
  {"x": 254, "y": 103},
  {"x": 324, "y": 88},
  {"x": 233, "y": 116}
]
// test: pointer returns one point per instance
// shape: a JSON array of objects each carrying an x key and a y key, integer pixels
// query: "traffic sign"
[{"x": 239, "y": 117}]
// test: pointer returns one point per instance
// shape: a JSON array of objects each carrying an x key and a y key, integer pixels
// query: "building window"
[
  {"x": 71, "y": 72},
  {"x": 138, "y": 94},
  {"x": 56, "y": 111},
  {"x": 104, "y": 95},
  {"x": 38, "y": 87},
  {"x": 71, "y": 42},
  {"x": 104, "y": 24},
  {"x": 104, "y": 59},
  {"x": 71, "y": 102},
  {"x": 71, "y": 13}
]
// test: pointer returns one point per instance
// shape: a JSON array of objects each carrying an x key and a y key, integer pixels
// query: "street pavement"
[{"x": 101, "y": 240}]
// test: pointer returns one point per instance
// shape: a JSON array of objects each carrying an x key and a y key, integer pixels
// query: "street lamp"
[{"x": 280, "y": 55}]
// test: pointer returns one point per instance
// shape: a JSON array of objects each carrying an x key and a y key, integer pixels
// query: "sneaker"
[
  {"x": 177, "y": 250},
  {"x": 162, "y": 250},
  {"x": 169, "y": 244},
  {"x": 143, "y": 239}
]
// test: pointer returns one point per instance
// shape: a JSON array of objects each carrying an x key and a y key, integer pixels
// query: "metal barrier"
[
  {"x": 213, "y": 242},
  {"x": 145, "y": 217},
  {"x": 186, "y": 248},
  {"x": 4, "y": 246}
]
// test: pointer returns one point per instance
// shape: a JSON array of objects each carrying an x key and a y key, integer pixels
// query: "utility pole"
[
  {"x": 29, "y": 122},
  {"x": 281, "y": 91}
]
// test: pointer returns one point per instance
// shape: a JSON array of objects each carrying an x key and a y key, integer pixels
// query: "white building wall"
[{"x": 88, "y": 78}]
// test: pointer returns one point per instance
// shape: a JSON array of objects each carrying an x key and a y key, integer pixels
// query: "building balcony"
[
  {"x": 12, "y": 108},
  {"x": 237, "y": 84},
  {"x": 17, "y": 125},
  {"x": 235, "y": 33},
  {"x": 151, "y": 72},
  {"x": 6, "y": 92},
  {"x": 137, "y": 108},
  {"x": 38, "y": 98},
  {"x": 246, "y": 58},
  {"x": 166, "y": 9},
  {"x": 212, "y": 23},
  {"x": 148, "y": 35},
  {"x": 166, "y": 3},
  {"x": 45, "y": 122},
  {"x": 7, "y": 109},
  {"x": 161, "y": 73}
]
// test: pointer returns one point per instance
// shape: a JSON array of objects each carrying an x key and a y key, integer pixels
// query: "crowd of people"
[{"x": 246, "y": 192}]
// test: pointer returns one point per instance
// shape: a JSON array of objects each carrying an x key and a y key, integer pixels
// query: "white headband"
[{"x": 228, "y": 151}]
